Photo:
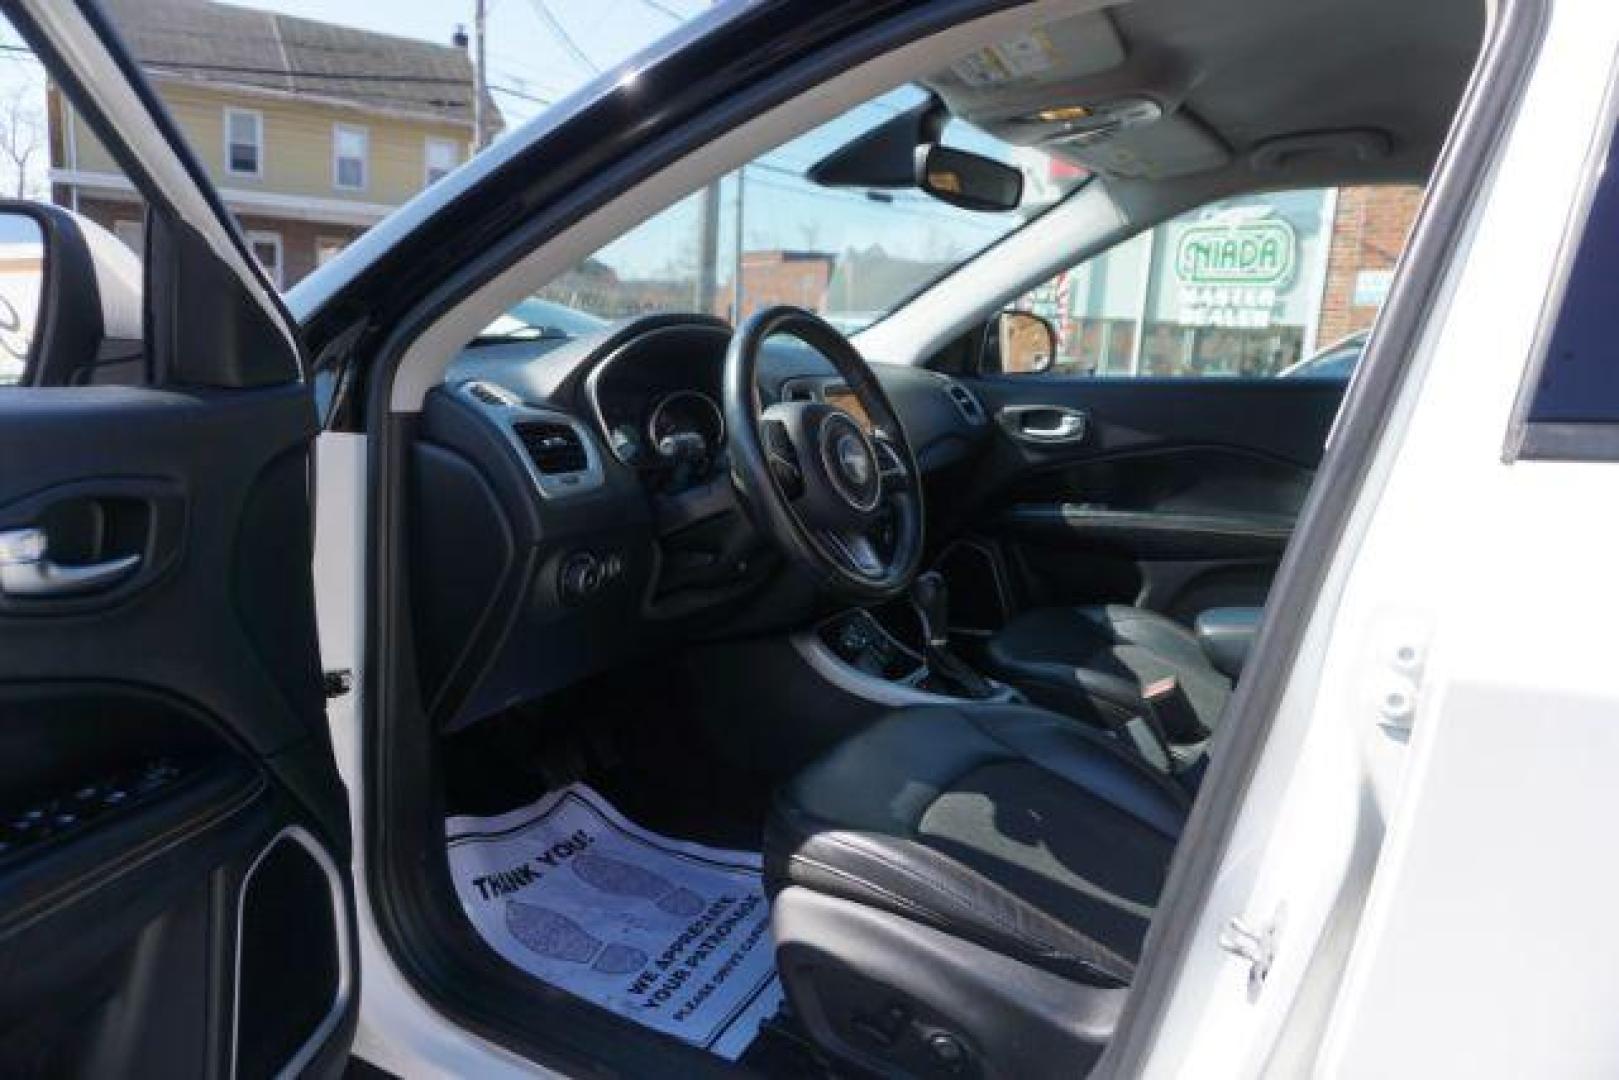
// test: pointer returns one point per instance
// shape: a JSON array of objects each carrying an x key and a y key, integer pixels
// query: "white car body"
[
  {"x": 1417, "y": 883},
  {"x": 1423, "y": 838}
]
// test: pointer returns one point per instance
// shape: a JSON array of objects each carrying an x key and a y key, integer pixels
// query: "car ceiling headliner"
[{"x": 1232, "y": 74}]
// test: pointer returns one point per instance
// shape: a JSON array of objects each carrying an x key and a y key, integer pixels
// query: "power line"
[
  {"x": 520, "y": 95},
  {"x": 663, "y": 9},
  {"x": 556, "y": 27}
]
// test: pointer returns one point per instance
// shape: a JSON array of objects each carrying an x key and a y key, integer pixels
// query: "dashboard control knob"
[{"x": 580, "y": 577}]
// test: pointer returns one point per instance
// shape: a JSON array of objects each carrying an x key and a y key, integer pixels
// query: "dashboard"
[{"x": 574, "y": 504}]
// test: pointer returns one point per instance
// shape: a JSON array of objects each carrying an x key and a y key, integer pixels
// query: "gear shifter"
[{"x": 931, "y": 598}]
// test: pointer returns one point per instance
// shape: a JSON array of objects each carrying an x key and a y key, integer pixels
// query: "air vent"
[
  {"x": 798, "y": 392},
  {"x": 968, "y": 405},
  {"x": 554, "y": 448},
  {"x": 490, "y": 394}
]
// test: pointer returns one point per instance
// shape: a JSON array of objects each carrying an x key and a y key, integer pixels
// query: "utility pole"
[
  {"x": 736, "y": 258},
  {"x": 480, "y": 76},
  {"x": 708, "y": 248}
]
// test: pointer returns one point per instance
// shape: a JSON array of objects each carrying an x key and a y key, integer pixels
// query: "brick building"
[
  {"x": 1369, "y": 231},
  {"x": 800, "y": 278}
]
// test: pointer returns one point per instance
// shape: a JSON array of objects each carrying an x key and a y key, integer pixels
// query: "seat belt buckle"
[{"x": 1173, "y": 710}]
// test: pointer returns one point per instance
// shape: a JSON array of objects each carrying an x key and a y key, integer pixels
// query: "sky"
[{"x": 540, "y": 50}]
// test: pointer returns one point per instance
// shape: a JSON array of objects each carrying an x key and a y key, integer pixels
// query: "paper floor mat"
[{"x": 673, "y": 935}]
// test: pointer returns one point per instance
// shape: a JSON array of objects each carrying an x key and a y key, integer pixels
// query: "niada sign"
[{"x": 1251, "y": 253}]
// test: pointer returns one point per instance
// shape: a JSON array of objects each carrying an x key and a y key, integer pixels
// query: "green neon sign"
[{"x": 1238, "y": 253}]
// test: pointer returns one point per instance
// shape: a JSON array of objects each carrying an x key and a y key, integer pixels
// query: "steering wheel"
[{"x": 842, "y": 501}]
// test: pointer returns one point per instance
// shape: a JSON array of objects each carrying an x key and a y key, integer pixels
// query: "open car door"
[{"x": 174, "y": 842}]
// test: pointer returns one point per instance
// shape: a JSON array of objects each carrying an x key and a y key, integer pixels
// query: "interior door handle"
[
  {"x": 25, "y": 569},
  {"x": 1048, "y": 425}
]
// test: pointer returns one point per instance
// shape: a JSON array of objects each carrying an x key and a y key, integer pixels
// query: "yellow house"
[{"x": 312, "y": 132}]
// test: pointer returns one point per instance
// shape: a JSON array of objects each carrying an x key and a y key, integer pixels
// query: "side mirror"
[
  {"x": 968, "y": 180},
  {"x": 22, "y": 281},
  {"x": 70, "y": 297},
  {"x": 1025, "y": 343}
]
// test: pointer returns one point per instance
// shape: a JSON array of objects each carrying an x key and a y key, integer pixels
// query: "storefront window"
[{"x": 1251, "y": 286}]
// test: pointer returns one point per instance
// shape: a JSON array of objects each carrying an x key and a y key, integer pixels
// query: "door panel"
[
  {"x": 160, "y": 732},
  {"x": 174, "y": 840},
  {"x": 1173, "y": 494}
]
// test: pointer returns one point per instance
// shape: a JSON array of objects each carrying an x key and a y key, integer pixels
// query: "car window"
[
  {"x": 38, "y": 133},
  {"x": 316, "y": 119},
  {"x": 1579, "y": 380},
  {"x": 1275, "y": 284}
]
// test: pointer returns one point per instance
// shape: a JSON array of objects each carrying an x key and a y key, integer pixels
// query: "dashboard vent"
[
  {"x": 490, "y": 394},
  {"x": 968, "y": 405},
  {"x": 554, "y": 448}
]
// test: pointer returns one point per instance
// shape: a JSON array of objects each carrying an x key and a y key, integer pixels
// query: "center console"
[{"x": 881, "y": 658}]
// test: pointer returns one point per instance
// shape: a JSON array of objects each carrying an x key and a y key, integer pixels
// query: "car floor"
[{"x": 636, "y": 739}]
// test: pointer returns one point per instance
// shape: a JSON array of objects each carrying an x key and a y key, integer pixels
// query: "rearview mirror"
[
  {"x": 22, "y": 276},
  {"x": 1024, "y": 343},
  {"x": 968, "y": 180}
]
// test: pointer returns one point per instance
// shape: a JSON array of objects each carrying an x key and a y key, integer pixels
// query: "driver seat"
[{"x": 965, "y": 889}]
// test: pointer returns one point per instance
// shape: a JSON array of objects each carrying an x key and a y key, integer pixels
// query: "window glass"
[
  {"x": 259, "y": 88},
  {"x": 350, "y": 146},
  {"x": 22, "y": 272},
  {"x": 442, "y": 158},
  {"x": 1579, "y": 378},
  {"x": 327, "y": 248},
  {"x": 767, "y": 235},
  {"x": 1279, "y": 284},
  {"x": 244, "y": 134},
  {"x": 48, "y": 154},
  {"x": 266, "y": 248}
]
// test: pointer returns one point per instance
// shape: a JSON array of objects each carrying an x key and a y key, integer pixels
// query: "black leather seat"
[
  {"x": 1093, "y": 662},
  {"x": 951, "y": 864}
]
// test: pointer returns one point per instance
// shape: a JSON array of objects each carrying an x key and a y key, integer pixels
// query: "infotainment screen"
[{"x": 845, "y": 399}]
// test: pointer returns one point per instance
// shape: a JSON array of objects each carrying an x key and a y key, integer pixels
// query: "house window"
[
  {"x": 350, "y": 148},
  {"x": 442, "y": 156},
  {"x": 327, "y": 248},
  {"x": 244, "y": 142},
  {"x": 266, "y": 248},
  {"x": 132, "y": 233}
]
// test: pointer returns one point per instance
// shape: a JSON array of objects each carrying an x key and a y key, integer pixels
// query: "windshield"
[{"x": 767, "y": 235}]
